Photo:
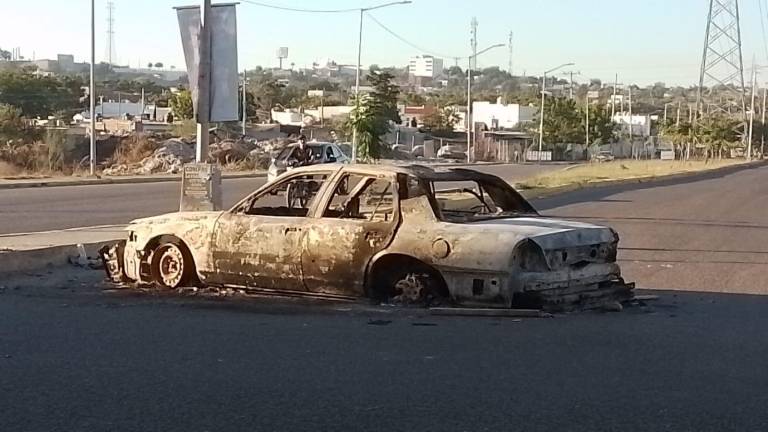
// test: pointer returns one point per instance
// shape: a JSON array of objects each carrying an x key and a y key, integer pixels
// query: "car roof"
[
  {"x": 420, "y": 171},
  {"x": 312, "y": 144}
]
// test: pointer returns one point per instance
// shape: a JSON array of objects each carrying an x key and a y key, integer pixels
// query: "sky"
[{"x": 644, "y": 41}]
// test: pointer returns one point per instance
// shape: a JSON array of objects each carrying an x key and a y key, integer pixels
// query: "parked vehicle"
[
  {"x": 603, "y": 156},
  {"x": 323, "y": 152}
]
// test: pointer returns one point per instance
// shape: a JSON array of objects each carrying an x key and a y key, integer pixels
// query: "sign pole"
[{"x": 203, "y": 84}]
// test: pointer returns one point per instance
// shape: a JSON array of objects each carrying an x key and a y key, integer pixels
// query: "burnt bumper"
[{"x": 113, "y": 257}]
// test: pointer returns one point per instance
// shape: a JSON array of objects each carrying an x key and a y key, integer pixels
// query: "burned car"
[{"x": 407, "y": 234}]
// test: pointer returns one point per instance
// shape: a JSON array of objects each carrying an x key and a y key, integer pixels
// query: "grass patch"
[{"x": 619, "y": 170}]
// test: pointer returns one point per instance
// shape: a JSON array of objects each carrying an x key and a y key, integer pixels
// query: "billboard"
[
  {"x": 224, "y": 77},
  {"x": 282, "y": 52}
]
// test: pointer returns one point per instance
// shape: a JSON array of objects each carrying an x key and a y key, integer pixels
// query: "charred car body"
[{"x": 407, "y": 234}]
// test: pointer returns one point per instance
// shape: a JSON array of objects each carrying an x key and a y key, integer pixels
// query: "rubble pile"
[
  {"x": 170, "y": 155},
  {"x": 168, "y": 158}
]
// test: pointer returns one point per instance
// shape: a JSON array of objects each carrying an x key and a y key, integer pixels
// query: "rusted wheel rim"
[
  {"x": 411, "y": 289},
  {"x": 171, "y": 266}
]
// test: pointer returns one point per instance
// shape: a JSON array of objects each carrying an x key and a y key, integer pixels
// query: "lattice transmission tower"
[
  {"x": 110, "y": 48},
  {"x": 721, "y": 80}
]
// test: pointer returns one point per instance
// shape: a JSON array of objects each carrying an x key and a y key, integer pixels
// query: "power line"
[
  {"x": 409, "y": 43},
  {"x": 290, "y": 9}
]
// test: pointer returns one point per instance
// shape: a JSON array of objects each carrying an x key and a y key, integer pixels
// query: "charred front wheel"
[{"x": 172, "y": 265}]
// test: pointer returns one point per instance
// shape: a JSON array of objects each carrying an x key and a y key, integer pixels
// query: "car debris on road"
[{"x": 399, "y": 234}]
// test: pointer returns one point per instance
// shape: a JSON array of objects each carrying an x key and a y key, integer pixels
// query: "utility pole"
[
  {"x": 473, "y": 63},
  {"x": 587, "y": 128},
  {"x": 93, "y": 89},
  {"x": 631, "y": 139},
  {"x": 469, "y": 109},
  {"x": 571, "y": 74},
  {"x": 677, "y": 123},
  {"x": 752, "y": 111},
  {"x": 762, "y": 125},
  {"x": 141, "y": 114},
  {"x": 511, "y": 52},
  {"x": 245, "y": 105},
  {"x": 613, "y": 101}
]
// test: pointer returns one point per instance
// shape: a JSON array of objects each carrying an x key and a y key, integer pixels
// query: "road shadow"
[{"x": 603, "y": 193}]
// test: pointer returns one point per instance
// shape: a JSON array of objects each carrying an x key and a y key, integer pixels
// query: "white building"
[
  {"x": 502, "y": 116},
  {"x": 425, "y": 66},
  {"x": 640, "y": 124}
]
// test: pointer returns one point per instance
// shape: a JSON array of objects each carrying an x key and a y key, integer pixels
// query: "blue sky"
[{"x": 642, "y": 40}]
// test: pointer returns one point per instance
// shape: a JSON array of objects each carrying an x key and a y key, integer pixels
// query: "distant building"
[
  {"x": 64, "y": 64},
  {"x": 640, "y": 124},
  {"x": 500, "y": 116},
  {"x": 127, "y": 110},
  {"x": 425, "y": 66}
]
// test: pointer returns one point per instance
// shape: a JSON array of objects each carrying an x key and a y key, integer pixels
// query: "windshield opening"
[{"x": 472, "y": 200}]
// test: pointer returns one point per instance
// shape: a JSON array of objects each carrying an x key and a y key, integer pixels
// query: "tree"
[
  {"x": 718, "y": 133},
  {"x": 456, "y": 71},
  {"x": 384, "y": 95},
  {"x": 365, "y": 121},
  {"x": 181, "y": 104},
  {"x": 40, "y": 96},
  {"x": 442, "y": 121},
  {"x": 159, "y": 65},
  {"x": 601, "y": 126},
  {"x": 5, "y": 55},
  {"x": 149, "y": 65},
  {"x": 562, "y": 123},
  {"x": 11, "y": 124}
]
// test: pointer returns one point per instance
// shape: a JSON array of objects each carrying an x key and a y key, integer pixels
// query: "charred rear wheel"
[
  {"x": 409, "y": 284},
  {"x": 172, "y": 265}
]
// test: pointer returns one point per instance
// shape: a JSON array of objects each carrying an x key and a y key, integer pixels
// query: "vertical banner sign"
[{"x": 224, "y": 72}]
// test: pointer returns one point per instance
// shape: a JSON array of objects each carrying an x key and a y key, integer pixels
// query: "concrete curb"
[
  {"x": 33, "y": 260},
  {"x": 539, "y": 193},
  {"x": 111, "y": 181}
]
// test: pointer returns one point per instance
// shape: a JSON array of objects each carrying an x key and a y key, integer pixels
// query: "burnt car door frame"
[
  {"x": 337, "y": 251},
  {"x": 264, "y": 251}
]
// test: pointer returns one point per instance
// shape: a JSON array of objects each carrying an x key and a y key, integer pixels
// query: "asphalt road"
[
  {"x": 705, "y": 233},
  {"x": 75, "y": 358},
  {"x": 78, "y": 359},
  {"x": 51, "y": 208}
]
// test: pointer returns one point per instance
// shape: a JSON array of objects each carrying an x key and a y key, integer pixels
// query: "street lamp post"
[
  {"x": 92, "y": 90},
  {"x": 543, "y": 95},
  {"x": 470, "y": 124},
  {"x": 359, "y": 57}
]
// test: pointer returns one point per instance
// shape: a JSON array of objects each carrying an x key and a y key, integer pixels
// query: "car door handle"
[{"x": 291, "y": 230}]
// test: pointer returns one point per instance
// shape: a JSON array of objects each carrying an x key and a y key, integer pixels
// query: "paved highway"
[
  {"x": 42, "y": 209},
  {"x": 75, "y": 358},
  {"x": 707, "y": 233}
]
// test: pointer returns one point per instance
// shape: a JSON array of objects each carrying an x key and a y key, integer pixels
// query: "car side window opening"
[
  {"x": 292, "y": 197},
  {"x": 329, "y": 154},
  {"x": 363, "y": 198}
]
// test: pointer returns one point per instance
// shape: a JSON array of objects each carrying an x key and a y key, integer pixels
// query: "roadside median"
[
  {"x": 85, "y": 181},
  {"x": 623, "y": 172},
  {"x": 29, "y": 252}
]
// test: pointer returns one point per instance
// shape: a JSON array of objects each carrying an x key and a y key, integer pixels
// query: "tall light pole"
[
  {"x": 543, "y": 95},
  {"x": 359, "y": 59},
  {"x": 93, "y": 89},
  {"x": 470, "y": 124}
]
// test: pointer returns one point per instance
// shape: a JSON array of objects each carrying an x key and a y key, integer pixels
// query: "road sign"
[
  {"x": 223, "y": 75},
  {"x": 200, "y": 187}
]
